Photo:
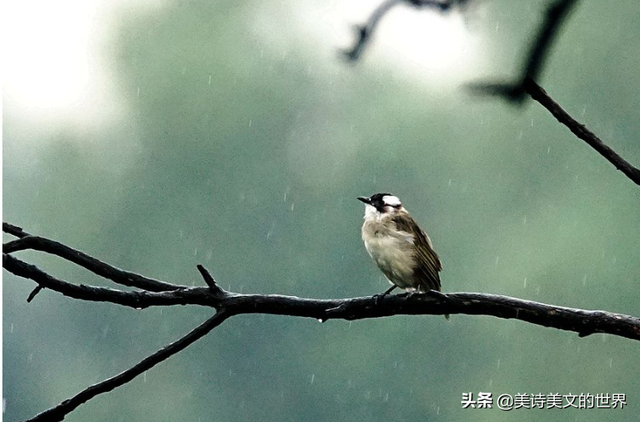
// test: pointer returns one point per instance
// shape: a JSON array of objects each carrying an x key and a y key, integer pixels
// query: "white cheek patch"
[{"x": 391, "y": 200}]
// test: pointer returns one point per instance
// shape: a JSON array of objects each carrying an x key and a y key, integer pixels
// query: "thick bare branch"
[
  {"x": 578, "y": 129},
  {"x": 60, "y": 411},
  {"x": 583, "y": 322}
]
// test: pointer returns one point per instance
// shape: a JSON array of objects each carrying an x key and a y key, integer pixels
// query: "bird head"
[{"x": 381, "y": 204}]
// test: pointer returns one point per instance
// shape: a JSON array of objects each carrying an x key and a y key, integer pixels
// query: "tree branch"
[
  {"x": 540, "y": 95},
  {"x": 133, "y": 299},
  {"x": 37, "y": 243},
  {"x": 208, "y": 278},
  {"x": 584, "y": 322},
  {"x": 365, "y": 31},
  {"x": 516, "y": 91},
  {"x": 14, "y": 230},
  {"x": 581, "y": 321},
  {"x": 58, "y": 413}
]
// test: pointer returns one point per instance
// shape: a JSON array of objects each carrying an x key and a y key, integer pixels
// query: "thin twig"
[
  {"x": 578, "y": 129},
  {"x": 58, "y": 413},
  {"x": 34, "y": 293},
  {"x": 365, "y": 31},
  {"x": 211, "y": 282}
]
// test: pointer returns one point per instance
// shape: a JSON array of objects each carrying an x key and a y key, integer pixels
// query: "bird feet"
[{"x": 381, "y": 295}]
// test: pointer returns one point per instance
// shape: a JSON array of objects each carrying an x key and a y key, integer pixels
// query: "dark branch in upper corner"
[
  {"x": 365, "y": 31},
  {"x": 584, "y": 322},
  {"x": 540, "y": 95},
  {"x": 516, "y": 91}
]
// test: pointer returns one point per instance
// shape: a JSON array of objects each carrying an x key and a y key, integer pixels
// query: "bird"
[{"x": 399, "y": 247}]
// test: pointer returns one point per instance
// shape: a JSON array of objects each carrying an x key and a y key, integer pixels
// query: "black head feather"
[{"x": 378, "y": 201}]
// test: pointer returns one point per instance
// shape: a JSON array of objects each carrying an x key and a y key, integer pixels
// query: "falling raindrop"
[
  {"x": 313, "y": 378},
  {"x": 548, "y": 150},
  {"x": 499, "y": 362},
  {"x": 293, "y": 205},
  {"x": 524, "y": 220},
  {"x": 497, "y": 260},
  {"x": 611, "y": 363},
  {"x": 144, "y": 376},
  {"x": 525, "y": 282},
  {"x": 270, "y": 232},
  {"x": 584, "y": 280},
  {"x": 250, "y": 122},
  {"x": 11, "y": 328},
  {"x": 209, "y": 79}
]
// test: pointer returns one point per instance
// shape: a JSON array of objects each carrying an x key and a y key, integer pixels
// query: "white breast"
[{"x": 392, "y": 251}]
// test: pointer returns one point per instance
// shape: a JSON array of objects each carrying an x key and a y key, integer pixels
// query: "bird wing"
[{"x": 427, "y": 261}]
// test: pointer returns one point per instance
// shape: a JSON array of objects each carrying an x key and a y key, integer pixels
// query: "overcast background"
[{"x": 161, "y": 134}]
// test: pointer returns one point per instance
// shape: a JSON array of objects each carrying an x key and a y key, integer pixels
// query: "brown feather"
[{"x": 428, "y": 264}]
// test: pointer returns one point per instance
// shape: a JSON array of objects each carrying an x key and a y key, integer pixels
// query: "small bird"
[{"x": 400, "y": 248}]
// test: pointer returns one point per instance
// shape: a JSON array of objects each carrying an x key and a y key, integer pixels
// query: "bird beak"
[{"x": 364, "y": 199}]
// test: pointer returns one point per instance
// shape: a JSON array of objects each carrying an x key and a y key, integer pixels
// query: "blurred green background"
[{"x": 232, "y": 134}]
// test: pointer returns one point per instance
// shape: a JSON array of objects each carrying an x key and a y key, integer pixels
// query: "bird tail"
[{"x": 437, "y": 291}]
